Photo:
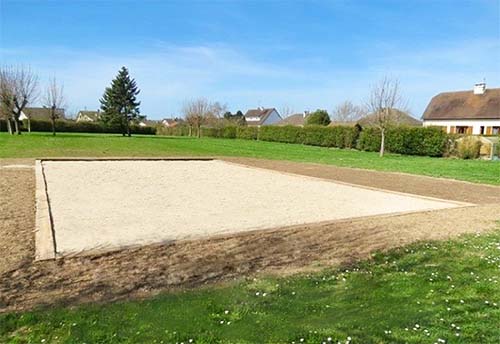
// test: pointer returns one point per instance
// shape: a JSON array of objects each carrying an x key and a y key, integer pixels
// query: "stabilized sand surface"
[{"x": 101, "y": 205}]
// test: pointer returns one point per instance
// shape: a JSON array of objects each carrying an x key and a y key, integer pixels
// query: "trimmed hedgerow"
[
  {"x": 229, "y": 132},
  {"x": 178, "y": 130},
  {"x": 247, "y": 133},
  {"x": 429, "y": 141},
  {"x": 66, "y": 126},
  {"x": 337, "y": 136},
  {"x": 285, "y": 134}
]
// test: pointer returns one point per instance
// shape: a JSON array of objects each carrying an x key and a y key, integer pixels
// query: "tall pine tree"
[{"x": 119, "y": 103}]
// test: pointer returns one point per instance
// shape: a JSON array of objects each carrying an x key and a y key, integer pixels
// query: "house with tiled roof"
[
  {"x": 298, "y": 119},
  {"x": 262, "y": 116},
  {"x": 475, "y": 111},
  {"x": 88, "y": 116},
  {"x": 39, "y": 113}
]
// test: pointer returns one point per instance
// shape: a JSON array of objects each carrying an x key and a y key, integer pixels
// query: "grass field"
[
  {"x": 422, "y": 293},
  {"x": 37, "y": 145}
]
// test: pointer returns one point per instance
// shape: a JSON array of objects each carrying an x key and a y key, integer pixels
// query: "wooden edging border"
[{"x": 45, "y": 245}]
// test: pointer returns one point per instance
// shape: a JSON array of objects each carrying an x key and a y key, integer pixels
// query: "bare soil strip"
[{"x": 144, "y": 271}]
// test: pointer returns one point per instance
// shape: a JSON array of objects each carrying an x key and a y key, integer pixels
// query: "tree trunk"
[
  {"x": 29, "y": 125},
  {"x": 9, "y": 126},
  {"x": 16, "y": 126},
  {"x": 382, "y": 143},
  {"x": 199, "y": 131},
  {"x": 190, "y": 130},
  {"x": 128, "y": 129},
  {"x": 53, "y": 120}
]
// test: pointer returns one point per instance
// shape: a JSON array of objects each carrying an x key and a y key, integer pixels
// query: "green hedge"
[
  {"x": 286, "y": 134},
  {"x": 429, "y": 141},
  {"x": 64, "y": 126},
  {"x": 336, "y": 136},
  {"x": 247, "y": 133}
]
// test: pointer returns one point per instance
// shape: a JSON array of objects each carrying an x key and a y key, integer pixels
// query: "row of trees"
[{"x": 18, "y": 89}]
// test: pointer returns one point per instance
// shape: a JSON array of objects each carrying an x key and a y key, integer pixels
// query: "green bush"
[
  {"x": 247, "y": 133},
  {"x": 66, "y": 126},
  {"x": 178, "y": 130},
  {"x": 229, "y": 132},
  {"x": 369, "y": 140},
  {"x": 337, "y": 136},
  {"x": 428, "y": 141},
  {"x": 210, "y": 132},
  {"x": 469, "y": 147},
  {"x": 285, "y": 134},
  {"x": 318, "y": 117}
]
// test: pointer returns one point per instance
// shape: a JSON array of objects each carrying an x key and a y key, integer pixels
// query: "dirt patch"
[{"x": 148, "y": 270}]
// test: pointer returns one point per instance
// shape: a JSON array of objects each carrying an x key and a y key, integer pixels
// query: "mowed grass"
[
  {"x": 434, "y": 292},
  {"x": 40, "y": 145}
]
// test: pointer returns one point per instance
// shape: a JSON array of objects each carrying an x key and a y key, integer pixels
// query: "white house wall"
[{"x": 475, "y": 124}]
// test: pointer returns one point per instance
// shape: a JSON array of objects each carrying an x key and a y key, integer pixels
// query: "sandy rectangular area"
[{"x": 111, "y": 204}]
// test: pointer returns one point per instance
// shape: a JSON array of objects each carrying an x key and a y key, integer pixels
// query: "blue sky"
[{"x": 300, "y": 54}]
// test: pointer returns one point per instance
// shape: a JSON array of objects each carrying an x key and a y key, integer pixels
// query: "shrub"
[
  {"x": 429, "y": 141},
  {"x": 469, "y": 147},
  {"x": 66, "y": 126},
  {"x": 229, "y": 132},
  {"x": 210, "y": 132},
  {"x": 247, "y": 133},
  {"x": 285, "y": 134},
  {"x": 318, "y": 117},
  {"x": 338, "y": 136},
  {"x": 178, "y": 130}
]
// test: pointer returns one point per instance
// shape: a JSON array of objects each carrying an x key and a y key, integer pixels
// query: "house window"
[
  {"x": 495, "y": 131},
  {"x": 461, "y": 130},
  {"x": 481, "y": 130}
]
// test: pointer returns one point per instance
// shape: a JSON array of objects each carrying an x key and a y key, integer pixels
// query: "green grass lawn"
[
  {"x": 446, "y": 290},
  {"x": 37, "y": 145}
]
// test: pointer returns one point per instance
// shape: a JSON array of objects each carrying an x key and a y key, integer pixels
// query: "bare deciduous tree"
[
  {"x": 197, "y": 112},
  {"x": 5, "y": 100},
  {"x": 18, "y": 89},
  {"x": 347, "y": 112},
  {"x": 384, "y": 100},
  {"x": 54, "y": 100},
  {"x": 286, "y": 111}
]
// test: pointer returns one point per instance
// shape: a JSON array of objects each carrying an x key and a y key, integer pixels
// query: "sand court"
[{"x": 109, "y": 204}]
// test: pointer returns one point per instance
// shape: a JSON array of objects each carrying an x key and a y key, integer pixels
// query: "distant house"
[
  {"x": 39, "y": 113},
  {"x": 88, "y": 116},
  {"x": 398, "y": 117},
  {"x": 149, "y": 123},
  {"x": 475, "y": 112},
  {"x": 169, "y": 122},
  {"x": 261, "y": 116},
  {"x": 298, "y": 119}
]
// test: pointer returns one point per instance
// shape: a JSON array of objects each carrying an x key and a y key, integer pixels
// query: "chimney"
[{"x": 480, "y": 88}]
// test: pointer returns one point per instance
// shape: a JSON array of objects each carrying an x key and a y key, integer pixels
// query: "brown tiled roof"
[
  {"x": 297, "y": 119},
  {"x": 40, "y": 113},
  {"x": 261, "y": 113},
  {"x": 400, "y": 118},
  {"x": 464, "y": 105},
  {"x": 342, "y": 124}
]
